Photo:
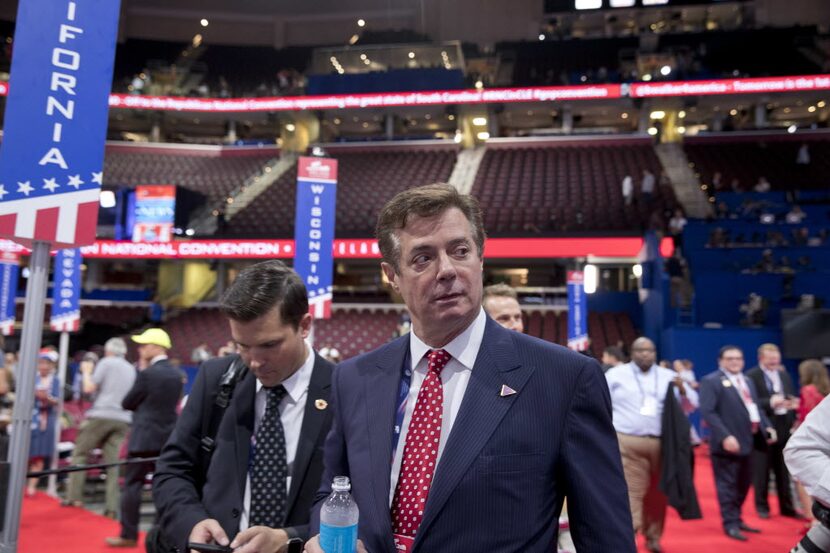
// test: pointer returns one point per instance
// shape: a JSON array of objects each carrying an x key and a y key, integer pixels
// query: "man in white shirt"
[
  {"x": 638, "y": 392},
  {"x": 627, "y": 189},
  {"x": 729, "y": 405},
  {"x": 463, "y": 435},
  {"x": 253, "y": 481}
]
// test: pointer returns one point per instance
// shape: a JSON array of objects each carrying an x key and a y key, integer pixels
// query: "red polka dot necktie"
[{"x": 420, "y": 453}]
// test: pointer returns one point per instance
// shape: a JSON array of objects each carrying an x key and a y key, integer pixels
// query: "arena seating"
[
  {"x": 355, "y": 331},
  {"x": 211, "y": 171},
  {"x": 193, "y": 326},
  {"x": 367, "y": 178},
  {"x": 605, "y": 329},
  {"x": 750, "y": 156},
  {"x": 566, "y": 186}
]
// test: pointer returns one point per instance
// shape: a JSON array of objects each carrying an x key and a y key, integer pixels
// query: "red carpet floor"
[{"x": 48, "y": 527}]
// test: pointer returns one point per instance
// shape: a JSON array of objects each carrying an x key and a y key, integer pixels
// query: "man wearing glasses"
[{"x": 729, "y": 405}]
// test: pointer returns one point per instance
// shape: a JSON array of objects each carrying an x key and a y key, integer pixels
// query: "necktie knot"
[
  {"x": 275, "y": 396},
  {"x": 437, "y": 359}
]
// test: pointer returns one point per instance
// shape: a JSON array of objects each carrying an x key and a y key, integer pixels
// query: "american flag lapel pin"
[{"x": 506, "y": 391}]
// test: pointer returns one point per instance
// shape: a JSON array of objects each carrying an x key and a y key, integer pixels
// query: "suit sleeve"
[
  {"x": 335, "y": 457},
  {"x": 175, "y": 490},
  {"x": 137, "y": 393},
  {"x": 590, "y": 448}
]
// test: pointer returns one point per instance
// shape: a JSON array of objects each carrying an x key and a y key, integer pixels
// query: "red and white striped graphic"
[
  {"x": 320, "y": 306},
  {"x": 70, "y": 322},
  {"x": 65, "y": 220}
]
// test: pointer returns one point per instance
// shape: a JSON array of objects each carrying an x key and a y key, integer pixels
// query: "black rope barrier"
[{"x": 76, "y": 468}]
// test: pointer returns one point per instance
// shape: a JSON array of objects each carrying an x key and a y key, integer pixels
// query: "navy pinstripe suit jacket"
[{"x": 508, "y": 462}]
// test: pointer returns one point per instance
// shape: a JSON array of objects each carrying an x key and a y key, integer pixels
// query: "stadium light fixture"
[
  {"x": 821, "y": 104},
  {"x": 204, "y": 22},
  {"x": 479, "y": 84},
  {"x": 652, "y": 131},
  {"x": 588, "y": 4},
  {"x": 412, "y": 55},
  {"x": 811, "y": 109},
  {"x": 590, "y": 278},
  {"x": 681, "y": 114},
  {"x": 457, "y": 138},
  {"x": 290, "y": 127},
  {"x": 363, "y": 57},
  {"x": 624, "y": 115},
  {"x": 361, "y": 22},
  {"x": 733, "y": 112},
  {"x": 354, "y": 39},
  {"x": 107, "y": 199},
  {"x": 483, "y": 135},
  {"x": 647, "y": 77},
  {"x": 665, "y": 70},
  {"x": 681, "y": 130},
  {"x": 637, "y": 270},
  {"x": 190, "y": 232},
  {"x": 658, "y": 114},
  {"x": 541, "y": 36},
  {"x": 479, "y": 121},
  {"x": 791, "y": 129}
]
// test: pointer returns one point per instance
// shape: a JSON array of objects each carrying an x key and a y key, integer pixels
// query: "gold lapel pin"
[{"x": 321, "y": 404}]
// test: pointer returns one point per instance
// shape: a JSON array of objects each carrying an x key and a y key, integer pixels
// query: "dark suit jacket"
[
  {"x": 676, "y": 479},
  {"x": 722, "y": 407},
  {"x": 153, "y": 399},
  {"x": 181, "y": 504},
  {"x": 508, "y": 462},
  {"x": 782, "y": 423}
]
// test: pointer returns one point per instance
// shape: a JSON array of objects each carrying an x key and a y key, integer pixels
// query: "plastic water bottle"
[{"x": 338, "y": 519}]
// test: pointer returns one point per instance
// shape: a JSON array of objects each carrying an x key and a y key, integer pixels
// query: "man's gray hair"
[{"x": 116, "y": 346}]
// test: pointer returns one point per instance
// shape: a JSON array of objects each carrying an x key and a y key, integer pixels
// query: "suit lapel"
[
  {"x": 482, "y": 409},
  {"x": 381, "y": 393},
  {"x": 313, "y": 419},
  {"x": 243, "y": 405}
]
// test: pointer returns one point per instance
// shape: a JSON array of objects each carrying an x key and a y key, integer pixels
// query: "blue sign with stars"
[{"x": 56, "y": 120}]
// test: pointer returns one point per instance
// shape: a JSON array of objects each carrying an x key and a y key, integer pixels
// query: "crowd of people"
[{"x": 251, "y": 455}]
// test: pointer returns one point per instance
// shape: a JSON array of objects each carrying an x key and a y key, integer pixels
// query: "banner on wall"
[
  {"x": 9, "y": 266},
  {"x": 56, "y": 121},
  {"x": 155, "y": 212},
  {"x": 577, "y": 312},
  {"x": 66, "y": 294},
  {"x": 314, "y": 230}
]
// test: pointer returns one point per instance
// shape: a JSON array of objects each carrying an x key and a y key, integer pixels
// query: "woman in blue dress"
[{"x": 44, "y": 415}]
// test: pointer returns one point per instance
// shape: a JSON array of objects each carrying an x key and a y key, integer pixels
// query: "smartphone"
[{"x": 208, "y": 547}]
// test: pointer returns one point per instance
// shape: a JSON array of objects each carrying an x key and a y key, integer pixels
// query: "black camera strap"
[{"x": 214, "y": 412}]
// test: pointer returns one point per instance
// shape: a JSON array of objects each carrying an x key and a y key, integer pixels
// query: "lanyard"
[
  {"x": 403, "y": 395},
  {"x": 640, "y": 386}
]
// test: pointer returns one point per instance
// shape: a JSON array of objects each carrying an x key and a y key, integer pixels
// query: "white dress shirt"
[
  {"x": 774, "y": 378},
  {"x": 808, "y": 452},
  {"x": 632, "y": 390},
  {"x": 292, "y": 410},
  {"x": 455, "y": 376}
]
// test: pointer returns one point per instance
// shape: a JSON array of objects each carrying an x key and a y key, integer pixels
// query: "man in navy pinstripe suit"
[{"x": 519, "y": 422}]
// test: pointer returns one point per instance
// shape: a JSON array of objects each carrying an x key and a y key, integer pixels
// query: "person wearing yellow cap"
[{"x": 153, "y": 400}]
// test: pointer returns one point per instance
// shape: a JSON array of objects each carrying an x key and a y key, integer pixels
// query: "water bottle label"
[{"x": 338, "y": 539}]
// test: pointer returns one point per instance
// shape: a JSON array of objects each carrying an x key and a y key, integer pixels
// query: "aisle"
[
  {"x": 46, "y": 526},
  {"x": 778, "y": 535}
]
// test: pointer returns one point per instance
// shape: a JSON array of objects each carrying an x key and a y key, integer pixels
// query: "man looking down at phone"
[{"x": 254, "y": 492}]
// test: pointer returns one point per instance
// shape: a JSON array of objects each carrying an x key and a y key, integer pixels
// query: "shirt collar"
[
  {"x": 297, "y": 383},
  {"x": 158, "y": 358},
  {"x": 463, "y": 348}
]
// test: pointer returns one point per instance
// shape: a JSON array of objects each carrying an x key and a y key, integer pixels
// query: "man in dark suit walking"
[
  {"x": 257, "y": 487},
  {"x": 778, "y": 400},
  {"x": 153, "y": 400},
  {"x": 729, "y": 405},
  {"x": 463, "y": 435}
]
